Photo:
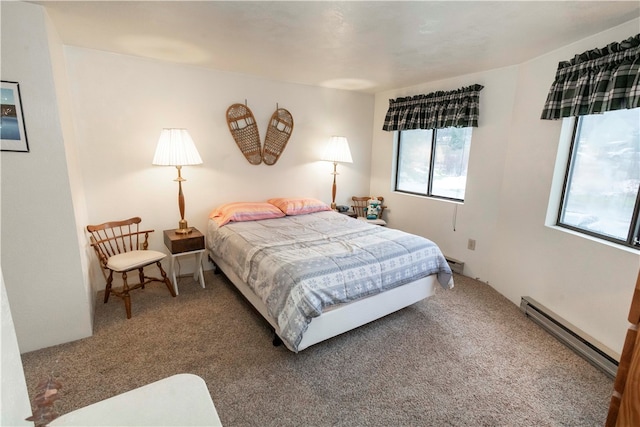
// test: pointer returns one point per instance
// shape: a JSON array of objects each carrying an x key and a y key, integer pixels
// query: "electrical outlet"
[{"x": 471, "y": 245}]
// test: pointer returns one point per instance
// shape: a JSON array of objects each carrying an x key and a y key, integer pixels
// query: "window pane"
[
  {"x": 605, "y": 174},
  {"x": 451, "y": 160},
  {"x": 414, "y": 158}
]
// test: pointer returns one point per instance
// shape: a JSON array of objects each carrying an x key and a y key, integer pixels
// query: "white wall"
[
  {"x": 511, "y": 165},
  {"x": 40, "y": 256},
  {"x": 14, "y": 397},
  {"x": 76, "y": 183},
  {"x": 436, "y": 219},
  {"x": 121, "y": 103}
]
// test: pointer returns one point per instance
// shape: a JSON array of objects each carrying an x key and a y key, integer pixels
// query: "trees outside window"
[
  {"x": 433, "y": 162},
  {"x": 601, "y": 190}
]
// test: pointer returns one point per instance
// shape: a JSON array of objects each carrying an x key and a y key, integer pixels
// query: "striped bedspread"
[{"x": 300, "y": 265}]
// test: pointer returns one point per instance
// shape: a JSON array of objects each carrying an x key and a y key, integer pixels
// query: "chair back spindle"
[{"x": 117, "y": 237}]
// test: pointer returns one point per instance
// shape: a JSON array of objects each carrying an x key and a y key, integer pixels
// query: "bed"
[{"x": 313, "y": 273}]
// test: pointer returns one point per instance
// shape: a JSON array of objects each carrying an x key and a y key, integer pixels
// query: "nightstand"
[
  {"x": 185, "y": 244},
  {"x": 349, "y": 213}
]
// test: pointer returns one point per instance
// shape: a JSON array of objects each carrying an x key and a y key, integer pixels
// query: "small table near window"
[
  {"x": 349, "y": 213},
  {"x": 185, "y": 244}
]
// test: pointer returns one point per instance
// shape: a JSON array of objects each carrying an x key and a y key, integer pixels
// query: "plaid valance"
[
  {"x": 436, "y": 110},
  {"x": 596, "y": 81}
]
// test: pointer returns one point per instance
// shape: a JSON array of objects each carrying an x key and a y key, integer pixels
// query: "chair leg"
[
  {"x": 127, "y": 305},
  {"x": 125, "y": 295},
  {"x": 107, "y": 289},
  {"x": 141, "y": 275},
  {"x": 166, "y": 279}
]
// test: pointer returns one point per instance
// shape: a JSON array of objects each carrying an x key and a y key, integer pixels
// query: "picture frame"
[{"x": 13, "y": 133}]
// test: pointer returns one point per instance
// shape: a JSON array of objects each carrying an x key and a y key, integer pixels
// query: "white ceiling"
[{"x": 367, "y": 46}]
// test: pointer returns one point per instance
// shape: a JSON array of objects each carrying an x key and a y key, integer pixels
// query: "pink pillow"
[
  {"x": 299, "y": 205},
  {"x": 244, "y": 211}
]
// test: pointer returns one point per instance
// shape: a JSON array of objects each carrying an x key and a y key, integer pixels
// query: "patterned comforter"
[{"x": 299, "y": 265}]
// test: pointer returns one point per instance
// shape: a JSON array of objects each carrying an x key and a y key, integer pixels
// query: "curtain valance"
[
  {"x": 436, "y": 110},
  {"x": 596, "y": 81}
]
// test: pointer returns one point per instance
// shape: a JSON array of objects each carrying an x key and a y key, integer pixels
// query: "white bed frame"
[{"x": 344, "y": 317}]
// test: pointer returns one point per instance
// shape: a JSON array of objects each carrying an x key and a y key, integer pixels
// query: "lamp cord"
[{"x": 455, "y": 216}]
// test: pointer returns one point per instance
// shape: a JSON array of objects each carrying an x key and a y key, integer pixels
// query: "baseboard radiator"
[
  {"x": 569, "y": 335},
  {"x": 456, "y": 265}
]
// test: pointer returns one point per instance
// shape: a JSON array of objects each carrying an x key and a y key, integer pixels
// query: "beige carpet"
[{"x": 465, "y": 357}]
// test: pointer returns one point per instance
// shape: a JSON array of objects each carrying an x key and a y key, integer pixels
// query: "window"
[
  {"x": 601, "y": 189},
  {"x": 433, "y": 162}
]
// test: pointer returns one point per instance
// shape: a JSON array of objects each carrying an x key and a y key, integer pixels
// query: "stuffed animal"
[{"x": 373, "y": 208}]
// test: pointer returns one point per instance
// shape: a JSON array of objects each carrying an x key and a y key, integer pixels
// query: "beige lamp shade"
[
  {"x": 176, "y": 148},
  {"x": 337, "y": 150}
]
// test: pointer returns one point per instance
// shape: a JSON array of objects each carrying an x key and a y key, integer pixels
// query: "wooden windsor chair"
[
  {"x": 121, "y": 248},
  {"x": 360, "y": 208}
]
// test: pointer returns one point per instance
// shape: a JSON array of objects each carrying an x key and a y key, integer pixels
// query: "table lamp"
[
  {"x": 337, "y": 150},
  {"x": 176, "y": 148}
]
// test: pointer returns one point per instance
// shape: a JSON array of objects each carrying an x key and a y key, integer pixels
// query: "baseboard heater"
[
  {"x": 569, "y": 335},
  {"x": 456, "y": 265}
]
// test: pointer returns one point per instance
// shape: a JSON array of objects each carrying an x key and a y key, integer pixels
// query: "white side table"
[
  {"x": 185, "y": 244},
  {"x": 180, "y": 400}
]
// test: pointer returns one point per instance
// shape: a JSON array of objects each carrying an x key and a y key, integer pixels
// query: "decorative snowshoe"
[
  {"x": 278, "y": 133},
  {"x": 244, "y": 130}
]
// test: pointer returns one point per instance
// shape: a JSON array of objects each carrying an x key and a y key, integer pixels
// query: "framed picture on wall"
[{"x": 12, "y": 130}]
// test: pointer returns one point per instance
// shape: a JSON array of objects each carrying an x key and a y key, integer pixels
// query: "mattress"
[{"x": 300, "y": 266}]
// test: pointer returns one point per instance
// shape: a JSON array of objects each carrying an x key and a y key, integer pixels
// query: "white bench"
[{"x": 180, "y": 400}]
